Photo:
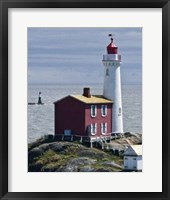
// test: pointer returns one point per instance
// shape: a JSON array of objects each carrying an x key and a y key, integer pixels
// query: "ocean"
[{"x": 41, "y": 117}]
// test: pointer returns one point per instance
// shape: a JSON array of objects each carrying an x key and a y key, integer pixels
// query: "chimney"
[{"x": 86, "y": 92}]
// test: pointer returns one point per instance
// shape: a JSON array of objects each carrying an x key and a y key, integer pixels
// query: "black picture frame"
[{"x": 4, "y": 5}]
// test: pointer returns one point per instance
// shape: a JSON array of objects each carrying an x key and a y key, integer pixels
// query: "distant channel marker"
[{"x": 39, "y": 101}]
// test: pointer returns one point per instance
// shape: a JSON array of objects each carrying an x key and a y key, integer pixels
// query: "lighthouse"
[{"x": 112, "y": 84}]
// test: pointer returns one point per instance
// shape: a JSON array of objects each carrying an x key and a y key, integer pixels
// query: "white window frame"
[
  {"x": 102, "y": 113},
  {"x": 93, "y": 129},
  {"x": 95, "y": 110},
  {"x": 104, "y": 128}
]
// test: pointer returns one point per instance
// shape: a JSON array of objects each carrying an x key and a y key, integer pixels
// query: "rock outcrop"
[{"x": 59, "y": 156}]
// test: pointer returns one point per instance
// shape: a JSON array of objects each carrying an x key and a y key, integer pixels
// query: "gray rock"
[
  {"x": 112, "y": 164},
  {"x": 44, "y": 147},
  {"x": 71, "y": 157},
  {"x": 35, "y": 152},
  {"x": 92, "y": 153},
  {"x": 68, "y": 168},
  {"x": 57, "y": 146},
  {"x": 75, "y": 165},
  {"x": 87, "y": 168},
  {"x": 82, "y": 161},
  {"x": 127, "y": 134},
  {"x": 103, "y": 170}
]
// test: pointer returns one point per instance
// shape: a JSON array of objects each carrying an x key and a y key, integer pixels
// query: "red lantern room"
[{"x": 112, "y": 48}]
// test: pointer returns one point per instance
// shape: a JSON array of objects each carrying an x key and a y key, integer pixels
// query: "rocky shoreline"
[{"x": 58, "y": 156}]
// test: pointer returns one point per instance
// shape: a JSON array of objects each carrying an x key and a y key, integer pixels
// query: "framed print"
[{"x": 84, "y": 99}]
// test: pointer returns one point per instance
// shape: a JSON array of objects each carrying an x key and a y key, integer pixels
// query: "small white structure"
[
  {"x": 112, "y": 85},
  {"x": 133, "y": 158}
]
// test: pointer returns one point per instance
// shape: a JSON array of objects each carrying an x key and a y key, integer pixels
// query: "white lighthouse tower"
[{"x": 112, "y": 85}]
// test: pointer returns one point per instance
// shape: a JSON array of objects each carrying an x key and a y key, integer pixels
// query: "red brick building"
[{"x": 83, "y": 115}]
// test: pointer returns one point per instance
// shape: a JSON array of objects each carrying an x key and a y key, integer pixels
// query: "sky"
[{"x": 74, "y": 55}]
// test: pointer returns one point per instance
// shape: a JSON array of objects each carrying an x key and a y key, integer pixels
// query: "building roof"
[
  {"x": 92, "y": 99},
  {"x": 133, "y": 150},
  {"x": 112, "y": 48}
]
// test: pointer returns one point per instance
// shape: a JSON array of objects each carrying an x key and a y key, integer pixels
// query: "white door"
[{"x": 132, "y": 163}]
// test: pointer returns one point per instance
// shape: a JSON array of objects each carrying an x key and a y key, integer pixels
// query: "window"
[
  {"x": 103, "y": 128},
  {"x": 107, "y": 72},
  {"x": 93, "y": 129},
  {"x": 120, "y": 111},
  {"x": 93, "y": 110},
  {"x": 104, "y": 110},
  {"x": 119, "y": 57}
]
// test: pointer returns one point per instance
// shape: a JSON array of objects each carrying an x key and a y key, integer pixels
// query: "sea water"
[{"x": 41, "y": 117}]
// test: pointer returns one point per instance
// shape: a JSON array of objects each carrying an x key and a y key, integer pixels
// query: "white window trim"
[
  {"x": 104, "y": 132},
  {"x": 94, "y": 111},
  {"x": 105, "y": 110},
  {"x": 95, "y": 129}
]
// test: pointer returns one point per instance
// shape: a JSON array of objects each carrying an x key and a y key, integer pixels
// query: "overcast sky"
[{"x": 74, "y": 55}]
